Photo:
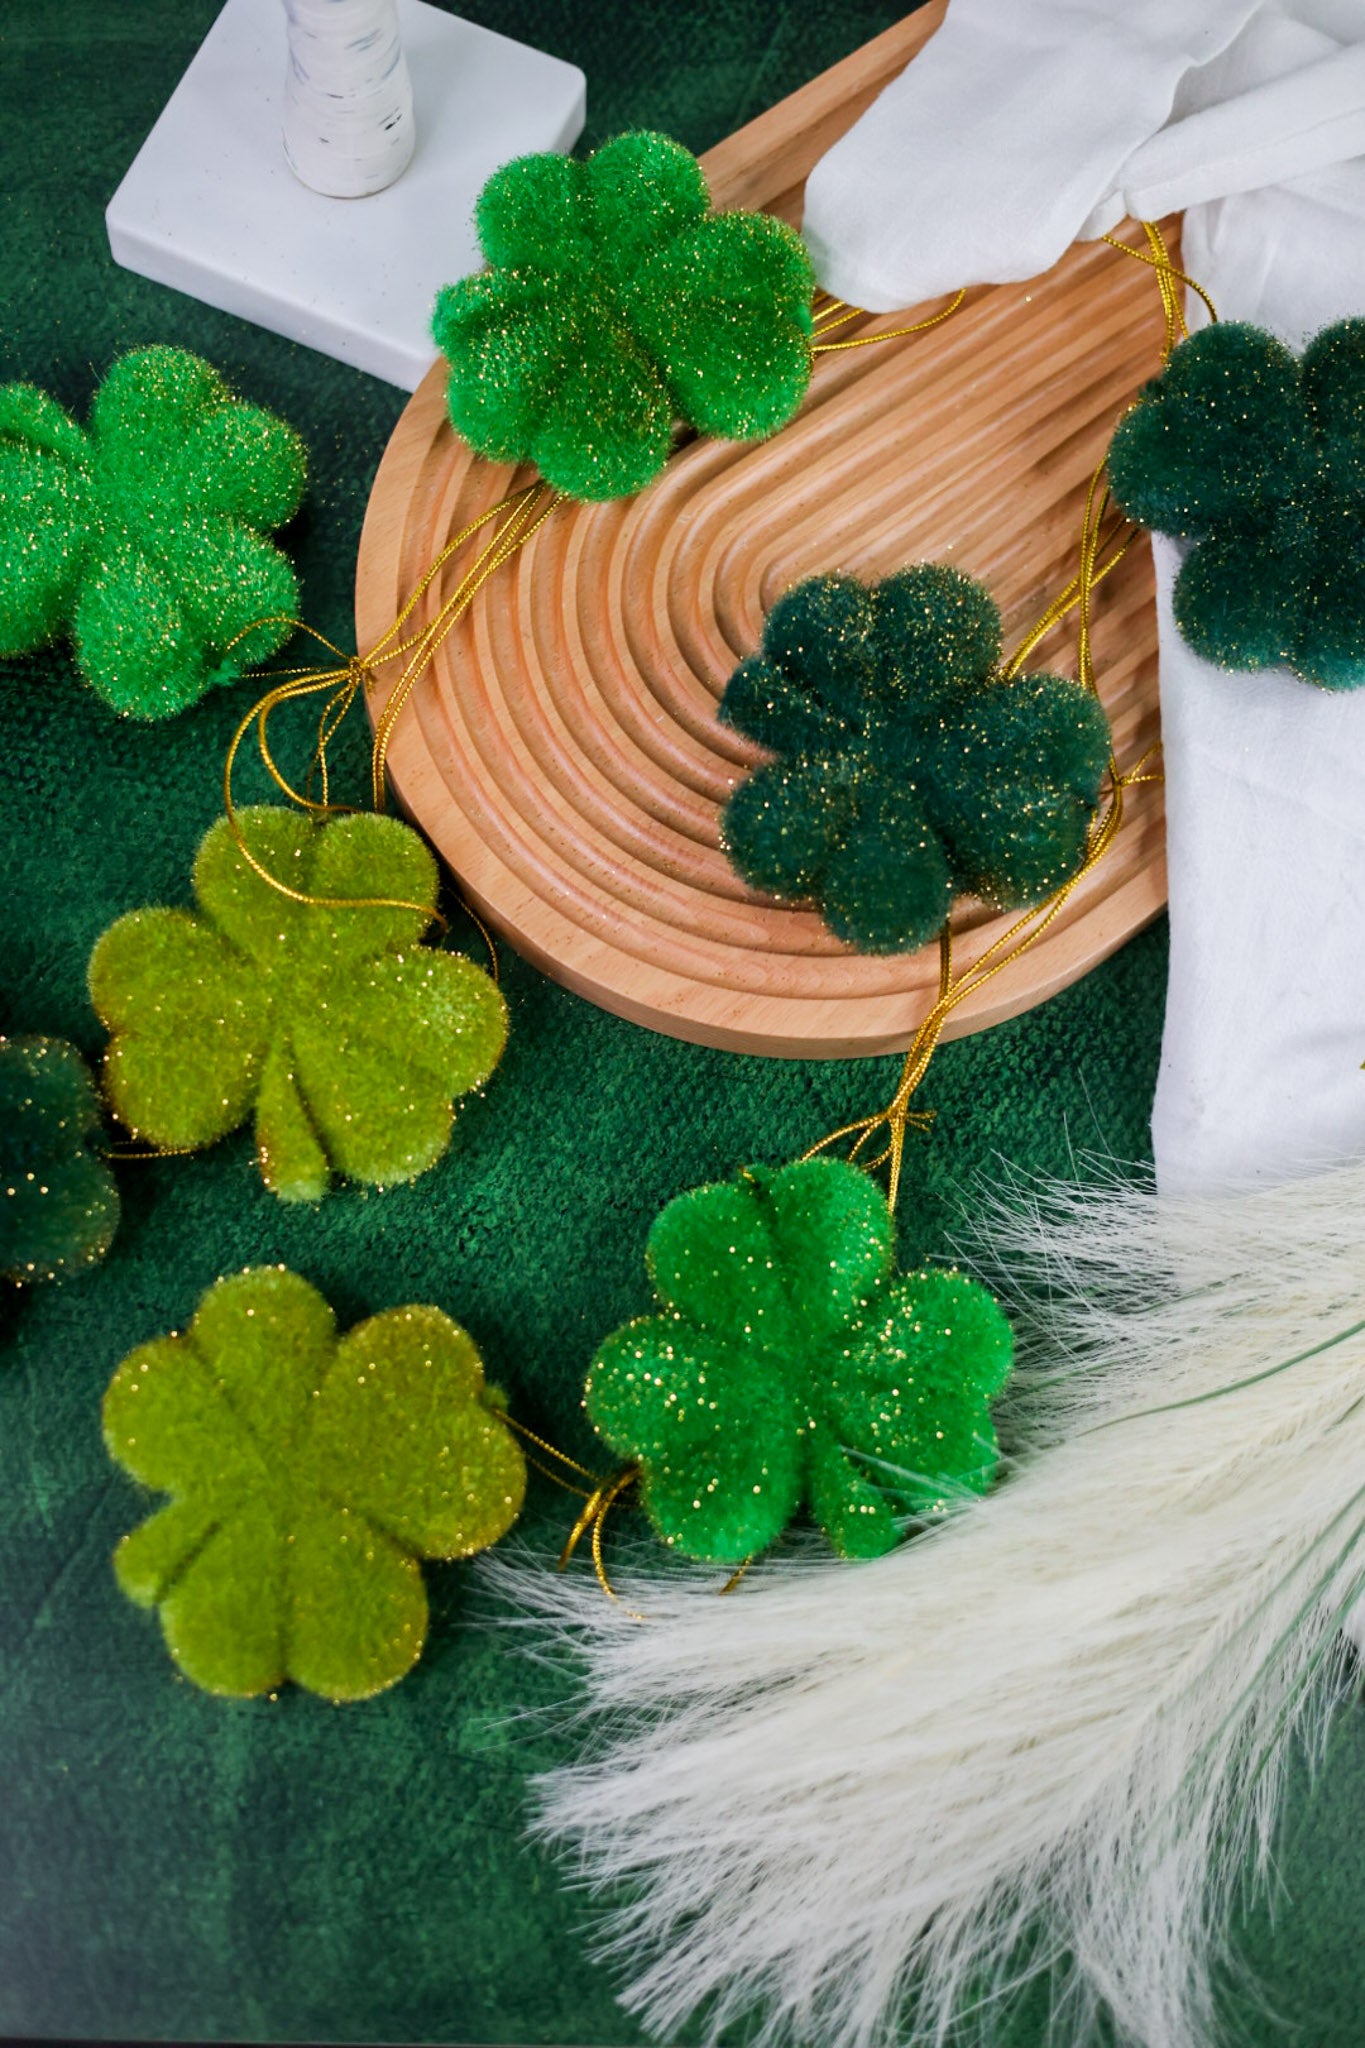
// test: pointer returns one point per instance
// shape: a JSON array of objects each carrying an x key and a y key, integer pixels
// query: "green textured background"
[{"x": 172, "y": 1866}]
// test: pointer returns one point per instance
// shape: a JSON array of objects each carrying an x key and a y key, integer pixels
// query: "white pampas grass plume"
[{"x": 844, "y": 1794}]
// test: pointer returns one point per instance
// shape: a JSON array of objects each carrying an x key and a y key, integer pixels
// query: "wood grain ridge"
[{"x": 563, "y": 753}]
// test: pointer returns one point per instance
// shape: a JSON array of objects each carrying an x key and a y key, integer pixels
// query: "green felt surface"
[{"x": 175, "y": 1866}]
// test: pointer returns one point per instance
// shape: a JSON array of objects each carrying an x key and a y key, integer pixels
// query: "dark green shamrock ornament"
[
  {"x": 616, "y": 301},
  {"x": 789, "y": 1366},
  {"x": 907, "y": 769},
  {"x": 308, "y": 1474},
  {"x": 144, "y": 537},
  {"x": 346, "y": 1037},
  {"x": 1258, "y": 456},
  {"x": 59, "y": 1204}
]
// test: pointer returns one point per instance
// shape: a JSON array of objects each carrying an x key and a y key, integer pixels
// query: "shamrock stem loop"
[
  {"x": 1157, "y": 257},
  {"x": 526, "y": 510},
  {"x": 593, "y": 1518}
]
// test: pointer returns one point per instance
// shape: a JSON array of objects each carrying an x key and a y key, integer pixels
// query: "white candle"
[{"x": 348, "y": 126}]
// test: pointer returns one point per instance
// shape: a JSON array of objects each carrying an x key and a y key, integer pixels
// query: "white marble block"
[{"x": 211, "y": 206}]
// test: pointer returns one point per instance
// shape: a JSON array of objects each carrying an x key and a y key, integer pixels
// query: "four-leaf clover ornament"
[
  {"x": 346, "y": 1037},
  {"x": 144, "y": 538},
  {"x": 1258, "y": 457},
  {"x": 617, "y": 302},
  {"x": 907, "y": 769},
  {"x": 59, "y": 1205},
  {"x": 790, "y": 1366},
  {"x": 308, "y": 1473}
]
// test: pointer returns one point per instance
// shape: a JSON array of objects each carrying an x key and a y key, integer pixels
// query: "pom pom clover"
[
  {"x": 308, "y": 1474},
  {"x": 59, "y": 1204},
  {"x": 789, "y": 1366},
  {"x": 1258, "y": 456},
  {"x": 907, "y": 769},
  {"x": 615, "y": 302},
  {"x": 347, "y": 1038},
  {"x": 144, "y": 537}
]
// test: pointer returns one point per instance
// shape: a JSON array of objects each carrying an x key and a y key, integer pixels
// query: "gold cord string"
[
  {"x": 148, "y": 1151},
  {"x": 532, "y": 508},
  {"x": 526, "y": 511},
  {"x": 594, "y": 1518},
  {"x": 595, "y": 1480},
  {"x": 835, "y": 314},
  {"x": 599, "y": 1496},
  {"x": 1157, "y": 257}
]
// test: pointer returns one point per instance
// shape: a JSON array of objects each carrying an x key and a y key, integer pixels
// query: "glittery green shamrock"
[
  {"x": 1258, "y": 456},
  {"x": 144, "y": 537},
  {"x": 308, "y": 1474},
  {"x": 617, "y": 302},
  {"x": 790, "y": 1366},
  {"x": 347, "y": 1037},
  {"x": 58, "y": 1203},
  {"x": 908, "y": 769}
]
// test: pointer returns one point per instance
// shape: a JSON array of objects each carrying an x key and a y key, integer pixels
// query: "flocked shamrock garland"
[{"x": 788, "y": 1368}]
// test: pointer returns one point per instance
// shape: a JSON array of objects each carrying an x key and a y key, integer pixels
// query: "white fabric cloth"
[
  {"x": 1265, "y": 795},
  {"x": 1026, "y": 123},
  {"x": 1023, "y": 124},
  {"x": 983, "y": 161}
]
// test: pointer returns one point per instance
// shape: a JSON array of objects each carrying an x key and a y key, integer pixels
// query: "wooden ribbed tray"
[{"x": 563, "y": 754}]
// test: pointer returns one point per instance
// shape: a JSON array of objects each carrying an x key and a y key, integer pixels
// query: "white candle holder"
[
  {"x": 211, "y": 206},
  {"x": 348, "y": 124}
]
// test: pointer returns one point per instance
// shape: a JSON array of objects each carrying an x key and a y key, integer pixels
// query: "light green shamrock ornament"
[
  {"x": 346, "y": 1037},
  {"x": 308, "y": 1474},
  {"x": 144, "y": 536}
]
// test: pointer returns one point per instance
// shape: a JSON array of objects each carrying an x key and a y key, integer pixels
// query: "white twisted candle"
[{"x": 348, "y": 123}]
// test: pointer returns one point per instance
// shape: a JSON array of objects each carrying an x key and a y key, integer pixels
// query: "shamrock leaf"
[
  {"x": 907, "y": 769},
  {"x": 58, "y": 1203},
  {"x": 144, "y": 537},
  {"x": 1258, "y": 456},
  {"x": 346, "y": 1037},
  {"x": 615, "y": 302},
  {"x": 790, "y": 1366},
  {"x": 307, "y": 1474}
]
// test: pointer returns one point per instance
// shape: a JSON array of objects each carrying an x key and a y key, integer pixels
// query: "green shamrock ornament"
[
  {"x": 144, "y": 538},
  {"x": 1258, "y": 457},
  {"x": 616, "y": 302},
  {"x": 347, "y": 1038},
  {"x": 308, "y": 1474},
  {"x": 790, "y": 1366},
  {"x": 908, "y": 769},
  {"x": 59, "y": 1204}
]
